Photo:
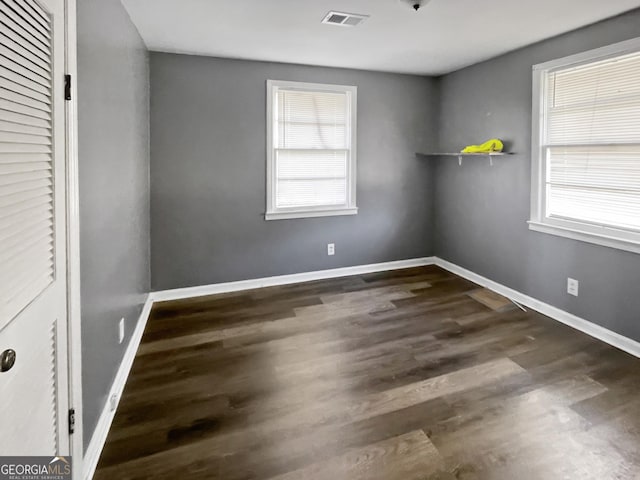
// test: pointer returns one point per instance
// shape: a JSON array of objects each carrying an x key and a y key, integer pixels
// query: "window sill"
[
  {"x": 310, "y": 213},
  {"x": 585, "y": 236}
]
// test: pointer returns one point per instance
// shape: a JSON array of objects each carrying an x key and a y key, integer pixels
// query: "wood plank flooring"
[{"x": 412, "y": 374}]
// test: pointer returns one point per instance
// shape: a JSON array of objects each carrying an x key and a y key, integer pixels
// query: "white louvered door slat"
[
  {"x": 12, "y": 42},
  {"x": 21, "y": 119},
  {"x": 33, "y": 312},
  {"x": 11, "y": 86},
  {"x": 15, "y": 23},
  {"x": 6, "y": 158},
  {"x": 24, "y": 129},
  {"x": 15, "y": 199},
  {"x": 31, "y": 164},
  {"x": 14, "y": 230},
  {"x": 23, "y": 81},
  {"x": 11, "y": 105},
  {"x": 30, "y": 27},
  {"x": 37, "y": 10},
  {"x": 39, "y": 250},
  {"x": 27, "y": 210},
  {"x": 15, "y": 41},
  {"x": 25, "y": 100},
  {"x": 16, "y": 237},
  {"x": 26, "y": 207},
  {"x": 15, "y": 64},
  {"x": 26, "y": 248},
  {"x": 25, "y": 138},
  {"x": 25, "y": 62},
  {"x": 38, "y": 23}
]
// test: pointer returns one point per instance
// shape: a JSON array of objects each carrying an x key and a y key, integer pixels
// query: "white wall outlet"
[
  {"x": 331, "y": 248},
  {"x": 121, "y": 330},
  {"x": 572, "y": 286},
  {"x": 113, "y": 402}
]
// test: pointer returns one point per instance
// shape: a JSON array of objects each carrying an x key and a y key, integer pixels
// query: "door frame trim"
[{"x": 74, "y": 324}]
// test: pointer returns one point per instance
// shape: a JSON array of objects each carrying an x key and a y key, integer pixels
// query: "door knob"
[{"x": 7, "y": 360}]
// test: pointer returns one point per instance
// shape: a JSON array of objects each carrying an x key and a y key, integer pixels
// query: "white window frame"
[
  {"x": 587, "y": 232},
  {"x": 350, "y": 207}
]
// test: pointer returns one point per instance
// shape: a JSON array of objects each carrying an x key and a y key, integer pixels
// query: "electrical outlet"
[
  {"x": 572, "y": 286},
  {"x": 121, "y": 330},
  {"x": 113, "y": 402},
  {"x": 331, "y": 248}
]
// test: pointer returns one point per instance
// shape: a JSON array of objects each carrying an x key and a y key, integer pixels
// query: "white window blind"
[
  {"x": 311, "y": 153},
  {"x": 26, "y": 188},
  {"x": 591, "y": 142}
]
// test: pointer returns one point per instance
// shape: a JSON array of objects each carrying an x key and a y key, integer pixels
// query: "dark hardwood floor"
[{"x": 404, "y": 375}]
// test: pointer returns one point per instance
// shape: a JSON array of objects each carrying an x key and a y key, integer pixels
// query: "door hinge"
[
  {"x": 67, "y": 87},
  {"x": 72, "y": 420}
]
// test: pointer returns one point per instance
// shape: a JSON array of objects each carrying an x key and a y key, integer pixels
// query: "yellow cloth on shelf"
[{"x": 493, "y": 145}]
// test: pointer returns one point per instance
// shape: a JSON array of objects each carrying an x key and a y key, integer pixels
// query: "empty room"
[{"x": 320, "y": 240}]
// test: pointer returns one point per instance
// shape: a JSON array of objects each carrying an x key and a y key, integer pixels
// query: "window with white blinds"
[
  {"x": 587, "y": 146},
  {"x": 311, "y": 150},
  {"x": 26, "y": 186}
]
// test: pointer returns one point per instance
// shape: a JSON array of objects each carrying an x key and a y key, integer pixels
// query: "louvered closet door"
[{"x": 33, "y": 318}]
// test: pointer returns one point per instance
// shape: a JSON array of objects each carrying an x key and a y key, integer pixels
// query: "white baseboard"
[
  {"x": 99, "y": 437},
  {"x": 612, "y": 338},
  {"x": 215, "y": 288}
]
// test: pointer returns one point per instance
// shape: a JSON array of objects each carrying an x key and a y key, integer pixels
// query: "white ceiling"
[{"x": 443, "y": 36}]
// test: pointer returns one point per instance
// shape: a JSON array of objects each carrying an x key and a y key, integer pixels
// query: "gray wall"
[
  {"x": 208, "y": 173},
  {"x": 113, "y": 96},
  {"x": 481, "y": 212}
]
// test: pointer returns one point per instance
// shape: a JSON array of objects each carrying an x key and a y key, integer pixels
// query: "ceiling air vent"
[{"x": 344, "y": 19}]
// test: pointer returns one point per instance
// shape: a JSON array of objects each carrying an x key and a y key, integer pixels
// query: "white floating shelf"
[{"x": 488, "y": 155}]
